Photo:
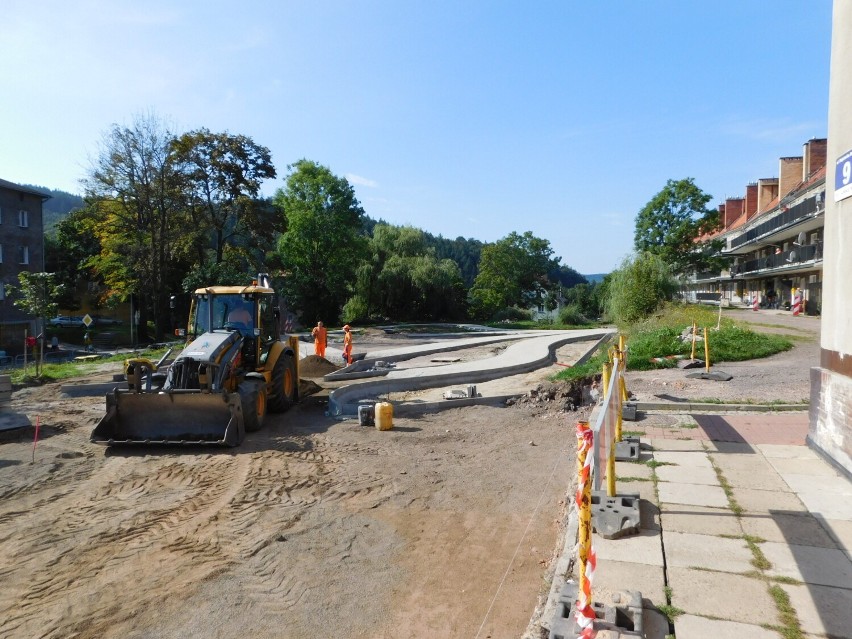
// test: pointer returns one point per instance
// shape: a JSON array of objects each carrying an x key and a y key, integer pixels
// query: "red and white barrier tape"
[{"x": 585, "y": 613}]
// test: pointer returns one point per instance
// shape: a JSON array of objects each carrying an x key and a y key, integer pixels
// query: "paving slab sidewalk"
[{"x": 749, "y": 519}]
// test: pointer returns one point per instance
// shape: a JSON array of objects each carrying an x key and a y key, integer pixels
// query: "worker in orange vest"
[
  {"x": 320, "y": 335},
  {"x": 347, "y": 344}
]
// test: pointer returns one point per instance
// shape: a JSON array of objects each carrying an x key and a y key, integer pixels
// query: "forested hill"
[{"x": 60, "y": 204}]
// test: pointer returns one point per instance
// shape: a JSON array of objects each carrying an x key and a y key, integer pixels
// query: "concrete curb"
[{"x": 687, "y": 407}]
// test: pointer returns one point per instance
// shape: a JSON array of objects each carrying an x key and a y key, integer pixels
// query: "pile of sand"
[{"x": 315, "y": 366}]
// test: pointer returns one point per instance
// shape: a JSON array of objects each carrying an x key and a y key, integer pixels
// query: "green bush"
[
  {"x": 638, "y": 288},
  {"x": 572, "y": 315},
  {"x": 513, "y": 314}
]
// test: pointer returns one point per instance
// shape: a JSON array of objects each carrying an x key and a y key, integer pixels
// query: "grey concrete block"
[
  {"x": 716, "y": 376},
  {"x": 628, "y": 412},
  {"x": 627, "y": 449},
  {"x": 624, "y": 614},
  {"x": 614, "y": 517}
]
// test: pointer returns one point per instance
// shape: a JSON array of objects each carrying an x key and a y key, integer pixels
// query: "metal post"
[
  {"x": 619, "y": 385},
  {"x": 610, "y": 454},
  {"x": 706, "y": 352},
  {"x": 693, "y": 340}
]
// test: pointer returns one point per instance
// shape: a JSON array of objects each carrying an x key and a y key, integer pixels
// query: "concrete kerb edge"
[
  {"x": 343, "y": 401},
  {"x": 701, "y": 407}
]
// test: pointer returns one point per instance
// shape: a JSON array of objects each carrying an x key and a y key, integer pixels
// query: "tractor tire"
[
  {"x": 254, "y": 405},
  {"x": 283, "y": 390}
]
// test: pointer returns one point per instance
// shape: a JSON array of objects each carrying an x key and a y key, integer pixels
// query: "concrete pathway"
[{"x": 746, "y": 532}]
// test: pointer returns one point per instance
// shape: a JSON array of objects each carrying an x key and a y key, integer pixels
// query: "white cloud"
[{"x": 361, "y": 181}]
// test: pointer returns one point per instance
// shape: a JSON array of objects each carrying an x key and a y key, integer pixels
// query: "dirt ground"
[{"x": 443, "y": 527}]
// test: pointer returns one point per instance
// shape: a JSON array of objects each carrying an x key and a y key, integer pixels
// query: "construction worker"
[
  {"x": 320, "y": 335},
  {"x": 347, "y": 344}
]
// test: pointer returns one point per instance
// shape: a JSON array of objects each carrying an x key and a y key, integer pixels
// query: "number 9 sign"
[{"x": 843, "y": 177}]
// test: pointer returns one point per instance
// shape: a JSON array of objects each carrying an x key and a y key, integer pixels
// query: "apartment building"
[
  {"x": 773, "y": 238},
  {"x": 21, "y": 249}
]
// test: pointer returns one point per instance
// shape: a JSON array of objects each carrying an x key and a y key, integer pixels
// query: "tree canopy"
[
  {"x": 323, "y": 244},
  {"x": 512, "y": 272},
  {"x": 672, "y": 224}
]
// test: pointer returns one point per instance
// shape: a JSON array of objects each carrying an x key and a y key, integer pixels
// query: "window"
[
  {"x": 23, "y": 219},
  {"x": 1, "y": 253},
  {"x": 25, "y": 255}
]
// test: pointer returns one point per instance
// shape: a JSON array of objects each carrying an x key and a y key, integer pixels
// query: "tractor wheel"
[
  {"x": 283, "y": 390},
  {"x": 253, "y": 399}
]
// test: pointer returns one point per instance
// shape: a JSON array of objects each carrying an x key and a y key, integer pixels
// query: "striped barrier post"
[
  {"x": 692, "y": 356},
  {"x": 797, "y": 303},
  {"x": 588, "y": 560},
  {"x": 755, "y": 303}
]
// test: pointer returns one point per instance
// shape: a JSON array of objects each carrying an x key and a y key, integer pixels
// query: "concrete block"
[
  {"x": 691, "y": 363},
  {"x": 628, "y": 412},
  {"x": 627, "y": 449},
  {"x": 614, "y": 517},
  {"x": 624, "y": 617},
  {"x": 715, "y": 376},
  {"x": 5, "y": 383}
]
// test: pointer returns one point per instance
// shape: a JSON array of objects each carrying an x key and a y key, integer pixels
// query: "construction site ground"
[{"x": 444, "y": 526}]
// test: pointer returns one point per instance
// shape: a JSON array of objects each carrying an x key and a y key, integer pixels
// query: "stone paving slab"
[
  {"x": 699, "y": 520},
  {"x": 827, "y": 505},
  {"x": 663, "y": 445},
  {"x": 732, "y": 448},
  {"x": 760, "y": 477},
  {"x": 615, "y": 576},
  {"x": 683, "y": 458},
  {"x": 632, "y": 469},
  {"x": 765, "y": 501},
  {"x": 753, "y": 461},
  {"x": 839, "y": 529},
  {"x": 821, "y": 566},
  {"x": 829, "y": 484},
  {"x": 706, "y": 551},
  {"x": 644, "y": 548},
  {"x": 784, "y": 451},
  {"x": 799, "y": 528},
  {"x": 822, "y": 610},
  {"x": 692, "y": 627},
  {"x": 685, "y": 474},
  {"x": 693, "y": 494},
  {"x": 722, "y": 595},
  {"x": 756, "y": 428},
  {"x": 798, "y": 466}
]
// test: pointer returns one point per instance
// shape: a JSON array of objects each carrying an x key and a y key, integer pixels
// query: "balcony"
[
  {"x": 801, "y": 211},
  {"x": 799, "y": 256}
]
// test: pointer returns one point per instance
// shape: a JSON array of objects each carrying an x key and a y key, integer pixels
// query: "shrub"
[
  {"x": 513, "y": 314},
  {"x": 638, "y": 288},
  {"x": 572, "y": 315}
]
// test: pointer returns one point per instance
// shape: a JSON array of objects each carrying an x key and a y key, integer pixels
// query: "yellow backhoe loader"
[{"x": 234, "y": 368}]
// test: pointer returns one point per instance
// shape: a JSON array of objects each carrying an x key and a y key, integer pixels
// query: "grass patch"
[
  {"x": 620, "y": 479},
  {"x": 687, "y": 425},
  {"x": 658, "y": 336},
  {"x": 729, "y": 490},
  {"x": 671, "y": 612},
  {"x": 588, "y": 369},
  {"x": 56, "y": 372},
  {"x": 790, "y": 620},
  {"x": 759, "y": 560},
  {"x": 653, "y": 463},
  {"x": 632, "y": 433}
]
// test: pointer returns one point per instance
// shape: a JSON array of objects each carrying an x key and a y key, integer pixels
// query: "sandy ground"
[{"x": 443, "y": 527}]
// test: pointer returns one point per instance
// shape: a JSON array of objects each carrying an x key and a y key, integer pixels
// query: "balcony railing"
[
  {"x": 798, "y": 255},
  {"x": 793, "y": 214}
]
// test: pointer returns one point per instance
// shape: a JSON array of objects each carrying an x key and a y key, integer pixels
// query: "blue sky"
[{"x": 463, "y": 118}]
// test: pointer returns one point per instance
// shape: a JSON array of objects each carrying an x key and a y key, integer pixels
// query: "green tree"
[
  {"x": 512, "y": 272},
  {"x": 222, "y": 175},
  {"x": 403, "y": 279},
  {"x": 638, "y": 287},
  {"x": 135, "y": 195},
  {"x": 67, "y": 250},
  {"x": 36, "y": 295},
  {"x": 323, "y": 244},
  {"x": 673, "y": 224}
]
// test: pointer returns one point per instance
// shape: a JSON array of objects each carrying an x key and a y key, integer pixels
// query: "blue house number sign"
[{"x": 843, "y": 177}]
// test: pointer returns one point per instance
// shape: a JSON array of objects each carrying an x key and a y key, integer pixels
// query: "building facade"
[
  {"x": 21, "y": 249},
  {"x": 774, "y": 239},
  {"x": 831, "y": 381}
]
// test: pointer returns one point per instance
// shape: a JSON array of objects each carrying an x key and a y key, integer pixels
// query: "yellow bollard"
[
  {"x": 706, "y": 352},
  {"x": 584, "y": 502}
]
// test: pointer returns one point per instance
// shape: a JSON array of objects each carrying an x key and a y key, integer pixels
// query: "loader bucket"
[{"x": 173, "y": 417}]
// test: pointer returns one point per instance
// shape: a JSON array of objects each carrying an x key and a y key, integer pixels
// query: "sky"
[{"x": 467, "y": 118}]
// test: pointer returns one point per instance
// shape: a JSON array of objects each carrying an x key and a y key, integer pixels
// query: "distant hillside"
[
  {"x": 60, "y": 204},
  {"x": 596, "y": 277}
]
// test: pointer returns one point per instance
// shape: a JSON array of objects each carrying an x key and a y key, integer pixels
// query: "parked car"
[
  {"x": 66, "y": 320},
  {"x": 100, "y": 320}
]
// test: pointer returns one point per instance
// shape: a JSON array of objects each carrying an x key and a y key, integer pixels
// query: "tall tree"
[
  {"x": 222, "y": 176},
  {"x": 67, "y": 251},
  {"x": 403, "y": 279},
  {"x": 135, "y": 194},
  {"x": 673, "y": 224},
  {"x": 323, "y": 244},
  {"x": 512, "y": 272}
]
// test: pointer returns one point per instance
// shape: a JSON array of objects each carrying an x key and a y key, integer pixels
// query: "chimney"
[
  {"x": 767, "y": 190},
  {"x": 790, "y": 174},
  {"x": 733, "y": 209},
  {"x": 751, "y": 200},
  {"x": 814, "y": 153}
]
